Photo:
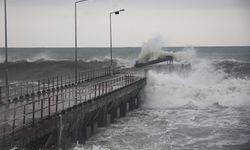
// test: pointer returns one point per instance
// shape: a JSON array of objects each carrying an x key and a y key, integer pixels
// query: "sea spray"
[
  {"x": 187, "y": 55},
  {"x": 152, "y": 49},
  {"x": 204, "y": 86}
]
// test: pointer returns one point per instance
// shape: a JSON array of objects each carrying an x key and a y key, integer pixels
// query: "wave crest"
[{"x": 204, "y": 86}]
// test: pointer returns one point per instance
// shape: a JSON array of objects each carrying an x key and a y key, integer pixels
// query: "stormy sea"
[{"x": 207, "y": 108}]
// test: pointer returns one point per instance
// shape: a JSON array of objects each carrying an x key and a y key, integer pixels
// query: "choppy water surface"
[{"x": 179, "y": 128}]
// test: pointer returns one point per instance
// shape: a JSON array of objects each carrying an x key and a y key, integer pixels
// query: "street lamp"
[
  {"x": 110, "y": 19},
  {"x": 76, "y": 38},
  {"x": 6, "y": 53}
]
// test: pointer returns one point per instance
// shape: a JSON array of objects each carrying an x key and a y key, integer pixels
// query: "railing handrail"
[
  {"x": 84, "y": 93},
  {"x": 33, "y": 86},
  {"x": 51, "y": 95}
]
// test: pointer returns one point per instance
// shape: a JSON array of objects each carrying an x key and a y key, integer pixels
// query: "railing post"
[
  {"x": 48, "y": 84},
  {"x": 56, "y": 103},
  {"x": 1, "y": 95},
  {"x": 57, "y": 82},
  {"x": 43, "y": 85},
  {"x": 106, "y": 87},
  {"x": 61, "y": 81},
  {"x": 24, "y": 115},
  {"x": 79, "y": 77},
  {"x": 38, "y": 86},
  {"x": 62, "y": 98},
  {"x": 109, "y": 86},
  {"x": 82, "y": 76},
  {"x": 49, "y": 105},
  {"x": 99, "y": 89},
  {"x": 33, "y": 111},
  {"x": 42, "y": 106},
  {"x": 21, "y": 92},
  {"x": 53, "y": 83},
  {"x": 65, "y": 80},
  {"x": 102, "y": 88},
  {"x": 76, "y": 93},
  {"x": 33, "y": 88},
  {"x": 95, "y": 90},
  {"x": 15, "y": 93}
]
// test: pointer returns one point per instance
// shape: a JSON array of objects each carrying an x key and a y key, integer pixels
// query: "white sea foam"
[
  {"x": 203, "y": 86},
  {"x": 14, "y": 148},
  {"x": 152, "y": 49},
  {"x": 94, "y": 147},
  {"x": 187, "y": 55},
  {"x": 40, "y": 56}
]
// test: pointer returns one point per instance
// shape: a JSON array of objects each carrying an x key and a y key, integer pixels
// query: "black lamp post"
[{"x": 111, "y": 52}]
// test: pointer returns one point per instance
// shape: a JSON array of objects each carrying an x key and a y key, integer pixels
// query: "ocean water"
[
  {"x": 36, "y": 63},
  {"x": 207, "y": 108}
]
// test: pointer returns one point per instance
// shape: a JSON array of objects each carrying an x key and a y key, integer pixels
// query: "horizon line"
[{"x": 121, "y": 46}]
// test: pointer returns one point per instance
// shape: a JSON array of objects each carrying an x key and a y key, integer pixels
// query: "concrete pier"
[
  {"x": 59, "y": 112},
  {"x": 78, "y": 122}
]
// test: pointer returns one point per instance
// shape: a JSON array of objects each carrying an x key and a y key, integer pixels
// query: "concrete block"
[
  {"x": 136, "y": 103},
  {"x": 94, "y": 127},
  {"x": 118, "y": 112},
  {"x": 88, "y": 131},
  {"x": 123, "y": 110},
  {"x": 108, "y": 117},
  {"x": 127, "y": 106}
]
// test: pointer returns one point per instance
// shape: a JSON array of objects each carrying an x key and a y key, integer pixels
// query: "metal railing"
[
  {"x": 20, "y": 90},
  {"x": 39, "y": 107}
]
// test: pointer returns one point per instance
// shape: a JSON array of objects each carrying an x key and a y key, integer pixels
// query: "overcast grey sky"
[{"x": 50, "y": 23}]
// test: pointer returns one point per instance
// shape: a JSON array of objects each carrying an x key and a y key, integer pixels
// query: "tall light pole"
[
  {"x": 110, "y": 29},
  {"x": 76, "y": 38},
  {"x": 6, "y": 53}
]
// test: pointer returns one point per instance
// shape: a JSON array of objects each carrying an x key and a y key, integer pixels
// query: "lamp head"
[{"x": 118, "y": 12}]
